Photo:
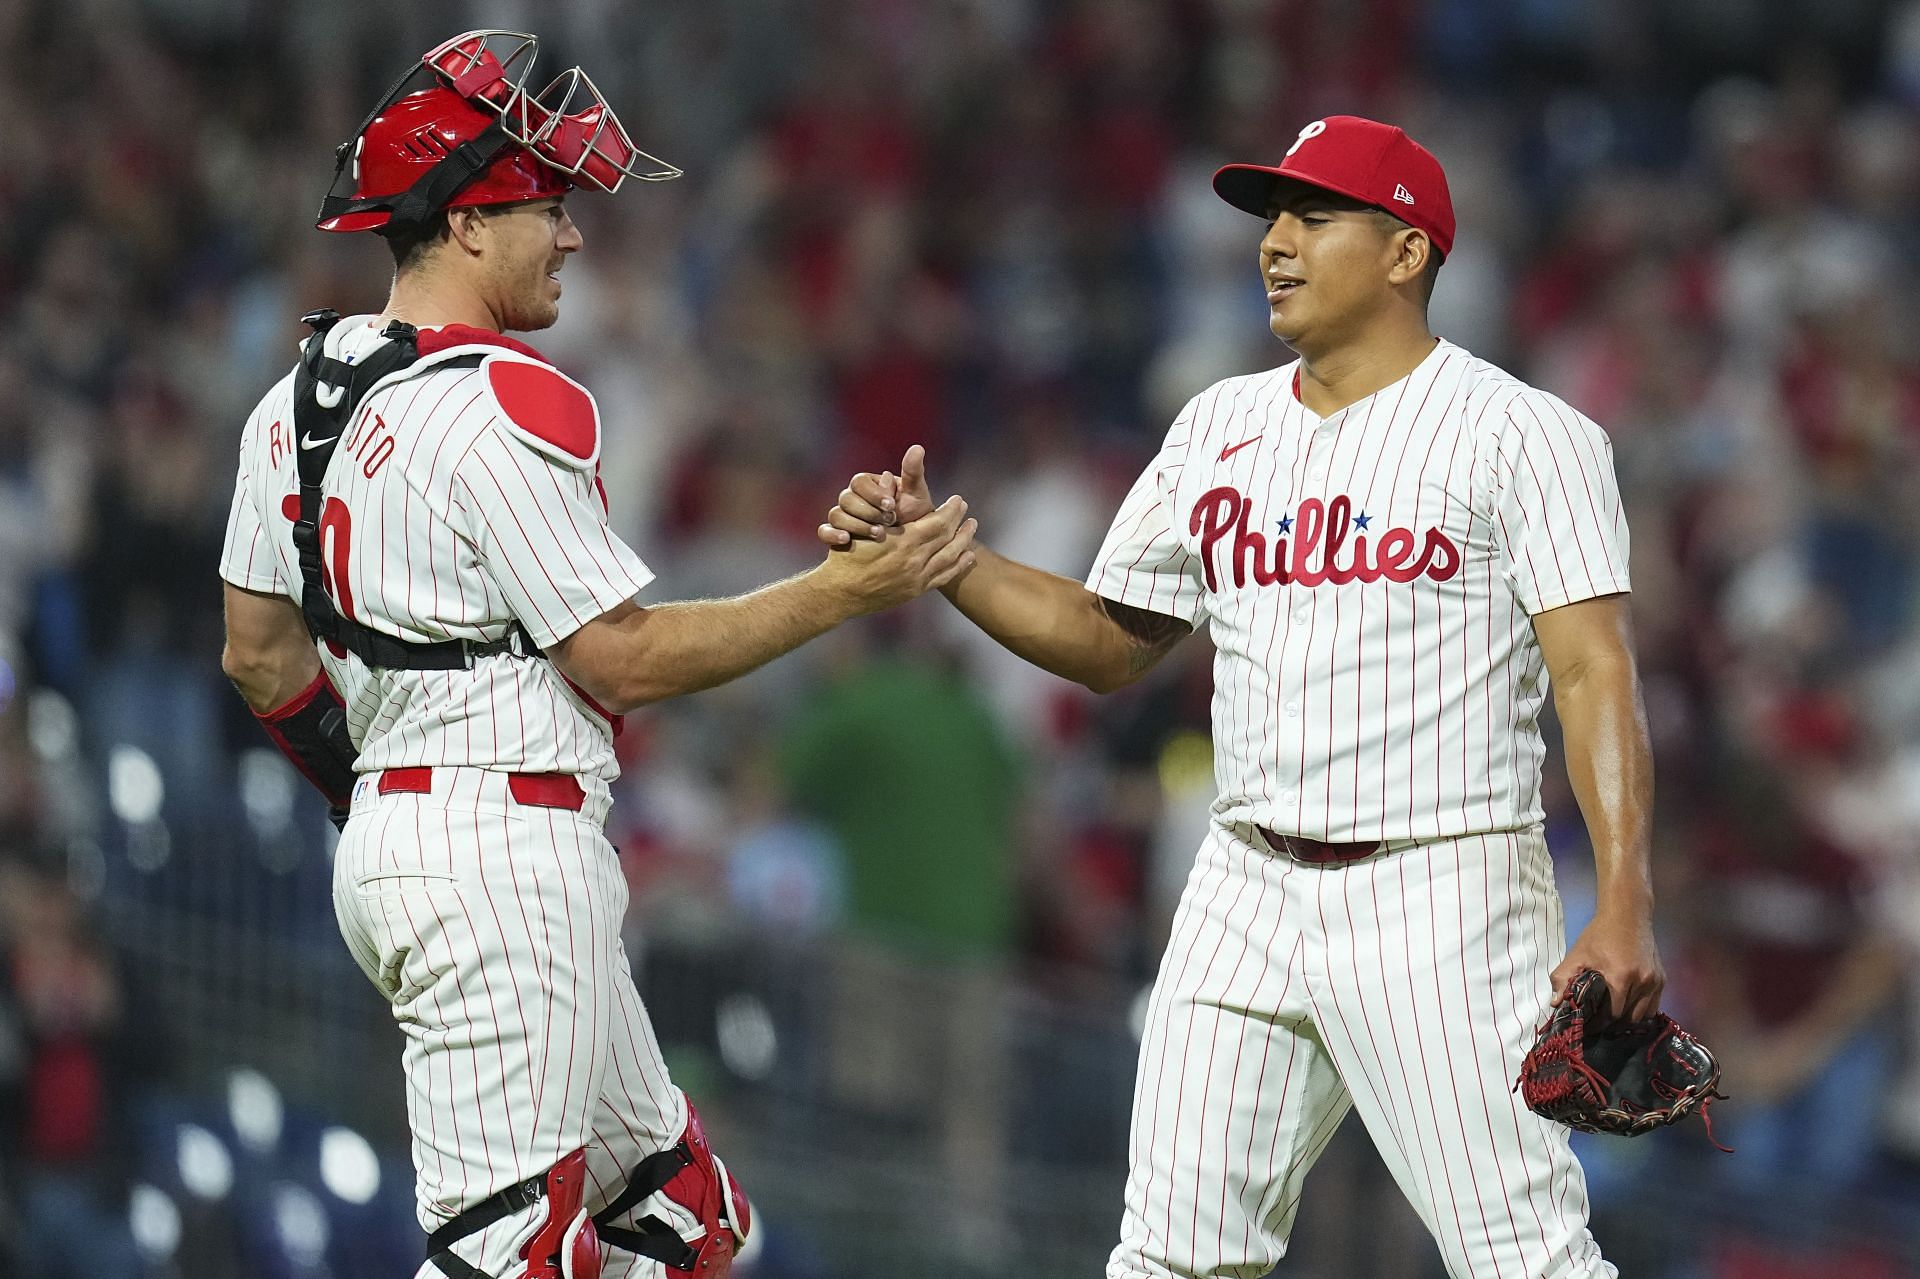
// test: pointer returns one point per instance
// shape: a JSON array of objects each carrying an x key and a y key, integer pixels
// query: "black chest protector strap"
[{"x": 326, "y": 394}]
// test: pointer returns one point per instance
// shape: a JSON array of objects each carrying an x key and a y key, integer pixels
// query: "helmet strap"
[{"x": 436, "y": 187}]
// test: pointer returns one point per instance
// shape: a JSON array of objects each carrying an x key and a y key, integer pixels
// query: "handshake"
[{"x": 888, "y": 543}]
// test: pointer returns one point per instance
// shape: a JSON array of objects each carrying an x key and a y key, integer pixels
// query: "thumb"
[
  {"x": 1560, "y": 977},
  {"x": 913, "y": 468},
  {"x": 950, "y": 512}
]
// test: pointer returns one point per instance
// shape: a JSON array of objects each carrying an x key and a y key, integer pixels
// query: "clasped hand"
[{"x": 896, "y": 544}]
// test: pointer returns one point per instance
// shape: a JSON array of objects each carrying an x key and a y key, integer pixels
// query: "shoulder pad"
[{"x": 547, "y": 409}]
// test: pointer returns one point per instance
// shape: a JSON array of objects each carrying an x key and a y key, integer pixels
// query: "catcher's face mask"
[{"x": 461, "y": 127}]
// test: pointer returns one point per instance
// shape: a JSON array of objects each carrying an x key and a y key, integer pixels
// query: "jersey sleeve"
[
  {"x": 1556, "y": 505},
  {"x": 247, "y": 557},
  {"x": 1144, "y": 562},
  {"x": 540, "y": 528}
]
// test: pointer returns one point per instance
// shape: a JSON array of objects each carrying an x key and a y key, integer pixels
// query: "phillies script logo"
[{"x": 1323, "y": 542}]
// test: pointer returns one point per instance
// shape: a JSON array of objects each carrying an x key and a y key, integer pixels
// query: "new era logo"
[{"x": 1401, "y": 194}]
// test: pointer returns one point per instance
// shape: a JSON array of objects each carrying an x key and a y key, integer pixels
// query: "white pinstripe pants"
[
  {"x": 1407, "y": 985},
  {"x": 493, "y": 930}
]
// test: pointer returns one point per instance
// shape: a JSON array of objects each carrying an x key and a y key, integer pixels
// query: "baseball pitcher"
[{"x": 1396, "y": 546}]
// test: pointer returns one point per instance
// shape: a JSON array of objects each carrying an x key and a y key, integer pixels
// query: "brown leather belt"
[{"x": 1315, "y": 852}]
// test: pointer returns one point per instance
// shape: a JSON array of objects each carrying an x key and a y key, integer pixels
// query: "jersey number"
[{"x": 336, "y": 540}]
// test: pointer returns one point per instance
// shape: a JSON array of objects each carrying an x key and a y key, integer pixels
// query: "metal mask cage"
[{"x": 568, "y": 124}]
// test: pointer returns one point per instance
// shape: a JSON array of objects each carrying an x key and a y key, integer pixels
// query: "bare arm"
[
  {"x": 269, "y": 656},
  {"x": 1061, "y": 626},
  {"x": 1588, "y": 648},
  {"x": 632, "y": 656}
]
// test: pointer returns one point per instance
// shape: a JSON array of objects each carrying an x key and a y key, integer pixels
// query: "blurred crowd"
[{"x": 986, "y": 226}]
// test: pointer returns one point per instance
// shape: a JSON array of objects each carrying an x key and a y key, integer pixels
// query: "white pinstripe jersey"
[
  {"x": 447, "y": 519},
  {"x": 1370, "y": 581}
]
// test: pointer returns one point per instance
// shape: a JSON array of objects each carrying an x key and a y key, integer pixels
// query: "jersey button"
[
  {"x": 1293, "y": 710},
  {"x": 1319, "y": 472},
  {"x": 1287, "y": 797},
  {"x": 1300, "y": 614}
]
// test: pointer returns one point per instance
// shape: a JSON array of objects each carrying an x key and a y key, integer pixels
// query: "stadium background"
[{"x": 896, "y": 898}]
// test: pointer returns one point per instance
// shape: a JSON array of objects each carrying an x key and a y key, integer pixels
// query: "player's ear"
[
  {"x": 466, "y": 227},
  {"x": 1412, "y": 251}
]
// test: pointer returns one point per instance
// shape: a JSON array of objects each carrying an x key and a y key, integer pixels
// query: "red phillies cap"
[{"x": 1365, "y": 160}]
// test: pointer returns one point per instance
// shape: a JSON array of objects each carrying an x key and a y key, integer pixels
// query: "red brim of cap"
[{"x": 1250, "y": 187}]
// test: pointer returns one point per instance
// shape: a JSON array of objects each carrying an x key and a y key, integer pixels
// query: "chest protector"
[{"x": 326, "y": 394}]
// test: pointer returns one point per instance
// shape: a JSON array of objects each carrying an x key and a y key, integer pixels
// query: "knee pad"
[
  {"x": 690, "y": 1175},
  {"x": 565, "y": 1245},
  {"x": 705, "y": 1188}
]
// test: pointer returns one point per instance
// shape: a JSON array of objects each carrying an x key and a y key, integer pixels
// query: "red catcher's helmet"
[
  {"x": 404, "y": 143},
  {"x": 474, "y": 135}
]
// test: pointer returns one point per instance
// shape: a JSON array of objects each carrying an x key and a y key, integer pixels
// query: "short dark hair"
[{"x": 410, "y": 241}]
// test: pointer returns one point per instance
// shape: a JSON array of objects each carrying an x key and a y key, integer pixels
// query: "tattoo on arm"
[{"x": 1150, "y": 635}]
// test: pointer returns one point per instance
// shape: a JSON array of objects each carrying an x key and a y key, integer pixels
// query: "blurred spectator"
[
  {"x": 1796, "y": 978},
  {"x": 785, "y": 873},
  {"x": 906, "y": 766},
  {"x": 84, "y": 1052}
]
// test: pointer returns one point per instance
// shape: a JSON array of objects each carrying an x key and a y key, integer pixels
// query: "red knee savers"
[
  {"x": 565, "y": 1246},
  {"x": 707, "y": 1190}
]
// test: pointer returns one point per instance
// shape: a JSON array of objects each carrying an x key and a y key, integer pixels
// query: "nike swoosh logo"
[
  {"x": 308, "y": 442},
  {"x": 1230, "y": 451}
]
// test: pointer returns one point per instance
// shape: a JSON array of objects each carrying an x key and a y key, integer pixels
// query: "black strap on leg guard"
[
  {"x": 515, "y": 1198},
  {"x": 651, "y": 1236},
  {"x": 326, "y": 395}
]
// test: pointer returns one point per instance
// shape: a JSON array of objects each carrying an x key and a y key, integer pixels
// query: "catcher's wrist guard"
[
  {"x": 311, "y": 731},
  {"x": 1625, "y": 1080}
]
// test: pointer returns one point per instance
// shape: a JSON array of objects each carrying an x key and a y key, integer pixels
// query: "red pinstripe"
[
  {"x": 1425, "y": 1074},
  {"x": 1560, "y": 474},
  {"x": 1281, "y": 604},
  {"x": 519, "y": 1007},
  {"x": 1161, "y": 1018},
  {"x": 1452, "y": 1076},
  {"x": 1192, "y": 1004},
  {"x": 1226, "y": 991},
  {"x": 1486, "y": 883},
  {"x": 1346, "y": 1029},
  {"x": 1266, "y": 1052}
]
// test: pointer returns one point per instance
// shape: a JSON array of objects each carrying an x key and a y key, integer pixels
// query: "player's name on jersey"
[{"x": 1309, "y": 546}]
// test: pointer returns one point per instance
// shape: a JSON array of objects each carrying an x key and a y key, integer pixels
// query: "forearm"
[
  {"x": 1610, "y": 763},
  {"x": 268, "y": 654},
  {"x": 266, "y": 687},
  {"x": 1051, "y": 621},
  {"x": 674, "y": 649}
]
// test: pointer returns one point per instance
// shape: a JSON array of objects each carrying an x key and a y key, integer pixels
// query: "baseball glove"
[{"x": 1626, "y": 1079}]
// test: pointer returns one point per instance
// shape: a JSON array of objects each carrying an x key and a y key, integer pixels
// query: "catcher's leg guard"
[
  {"x": 692, "y": 1176},
  {"x": 564, "y": 1247}
]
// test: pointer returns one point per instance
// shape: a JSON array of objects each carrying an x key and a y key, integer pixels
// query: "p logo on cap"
[{"x": 1313, "y": 130}]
